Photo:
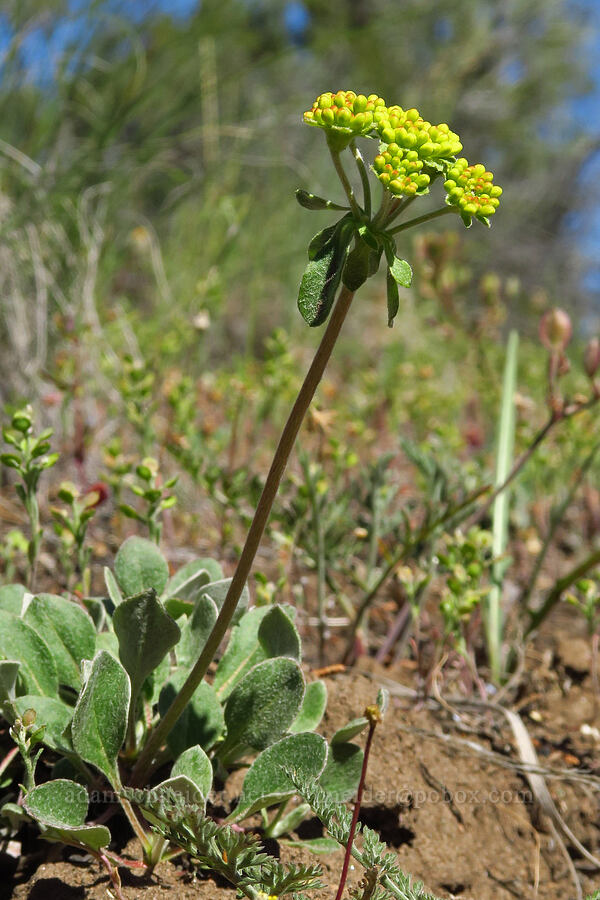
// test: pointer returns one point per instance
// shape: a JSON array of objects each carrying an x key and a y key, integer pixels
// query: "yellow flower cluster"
[
  {"x": 471, "y": 190},
  {"x": 410, "y": 131},
  {"x": 345, "y": 112},
  {"x": 412, "y": 153},
  {"x": 401, "y": 172}
]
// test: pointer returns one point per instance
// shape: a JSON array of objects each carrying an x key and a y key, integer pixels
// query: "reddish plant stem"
[
  {"x": 145, "y": 762},
  {"x": 8, "y": 759},
  {"x": 374, "y": 716}
]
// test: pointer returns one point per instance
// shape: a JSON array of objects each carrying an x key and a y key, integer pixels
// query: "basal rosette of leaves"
[{"x": 86, "y": 687}]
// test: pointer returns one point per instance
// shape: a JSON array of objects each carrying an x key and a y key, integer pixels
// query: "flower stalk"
[{"x": 413, "y": 154}]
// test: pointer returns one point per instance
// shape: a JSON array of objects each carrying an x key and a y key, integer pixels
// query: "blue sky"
[{"x": 42, "y": 53}]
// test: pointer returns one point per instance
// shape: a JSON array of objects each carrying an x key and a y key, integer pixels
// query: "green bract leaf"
[
  {"x": 195, "y": 765},
  {"x": 401, "y": 272},
  {"x": 263, "y": 633},
  {"x": 311, "y": 201},
  {"x": 20, "y": 642},
  {"x": 11, "y": 598},
  {"x": 145, "y": 633},
  {"x": 266, "y": 782},
  {"x": 139, "y": 565},
  {"x": 313, "y": 708},
  {"x": 100, "y": 717},
  {"x": 368, "y": 237},
  {"x": 10, "y": 460},
  {"x": 393, "y": 298},
  {"x": 52, "y": 713},
  {"x": 69, "y": 632},
  {"x": 321, "y": 239},
  {"x": 342, "y": 772},
  {"x": 358, "y": 266},
  {"x": 202, "y": 720},
  {"x": 322, "y": 276},
  {"x": 61, "y": 806},
  {"x": 196, "y": 630},
  {"x": 262, "y": 707}
]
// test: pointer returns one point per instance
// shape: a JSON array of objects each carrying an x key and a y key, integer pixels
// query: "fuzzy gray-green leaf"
[
  {"x": 100, "y": 717},
  {"x": 217, "y": 591},
  {"x": 183, "y": 785},
  {"x": 145, "y": 633},
  {"x": 262, "y": 707},
  {"x": 139, "y": 566},
  {"x": 9, "y": 672},
  {"x": 196, "y": 630},
  {"x": 341, "y": 775},
  {"x": 267, "y": 782},
  {"x": 60, "y": 803},
  {"x": 202, "y": 720},
  {"x": 313, "y": 708},
  {"x": 195, "y": 765},
  {"x": 61, "y": 806},
  {"x": 20, "y": 642},
  {"x": 11, "y": 598},
  {"x": 114, "y": 591},
  {"x": 263, "y": 633},
  {"x": 192, "y": 576},
  {"x": 68, "y": 631},
  {"x": 350, "y": 730}
]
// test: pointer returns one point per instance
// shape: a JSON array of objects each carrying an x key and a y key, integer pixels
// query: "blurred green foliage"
[{"x": 150, "y": 172}]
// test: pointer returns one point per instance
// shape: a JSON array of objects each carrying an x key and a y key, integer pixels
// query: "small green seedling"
[
  {"x": 71, "y": 527},
  {"x": 98, "y": 683},
  {"x": 154, "y": 494},
  {"x": 465, "y": 561},
  {"x": 29, "y": 457},
  {"x": 586, "y": 598}
]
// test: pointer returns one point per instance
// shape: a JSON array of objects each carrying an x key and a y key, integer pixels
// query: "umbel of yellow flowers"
[{"x": 413, "y": 152}]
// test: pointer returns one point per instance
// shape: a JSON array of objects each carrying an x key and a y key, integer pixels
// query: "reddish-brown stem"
[
  {"x": 255, "y": 533},
  {"x": 112, "y": 874},
  {"x": 374, "y": 719},
  {"x": 8, "y": 759}
]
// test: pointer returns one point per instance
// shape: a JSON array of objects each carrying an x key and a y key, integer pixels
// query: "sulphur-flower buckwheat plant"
[{"x": 135, "y": 664}]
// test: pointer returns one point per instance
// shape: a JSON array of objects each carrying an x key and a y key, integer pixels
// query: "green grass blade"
[{"x": 501, "y": 507}]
